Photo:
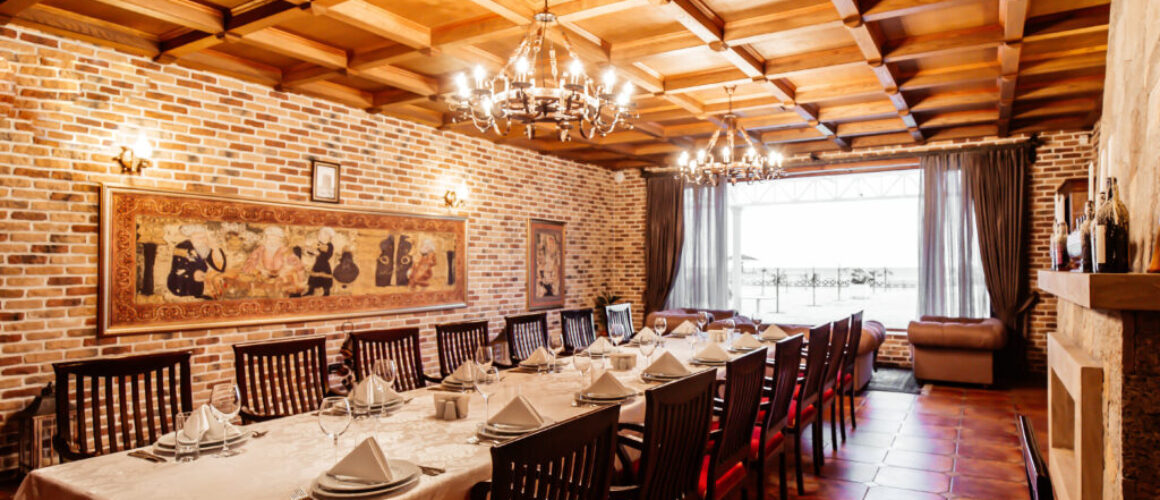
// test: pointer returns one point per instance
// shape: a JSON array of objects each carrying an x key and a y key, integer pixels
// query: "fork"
[
  {"x": 144, "y": 455},
  {"x": 431, "y": 471}
]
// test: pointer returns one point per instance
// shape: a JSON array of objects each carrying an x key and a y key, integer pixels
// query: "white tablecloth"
[{"x": 295, "y": 451}]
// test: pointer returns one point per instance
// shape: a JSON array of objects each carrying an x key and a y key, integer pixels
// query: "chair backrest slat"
[
  {"x": 103, "y": 407},
  {"x": 525, "y": 334},
  {"x": 400, "y": 345},
  {"x": 852, "y": 343},
  {"x": 677, "y": 420},
  {"x": 578, "y": 329},
  {"x": 619, "y": 314},
  {"x": 787, "y": 355},
  {"x": 280, "y": 378},
  {"x": 815, "y": 368},
  {"x": 457, "y": 343},
  {"x": 744, "y": 380},
  {"x": 835, "y": 359},
  {"x": 569, "y": 460}
]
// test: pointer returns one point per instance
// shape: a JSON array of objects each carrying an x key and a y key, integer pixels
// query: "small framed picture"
[{"x": 325, "y": 184}]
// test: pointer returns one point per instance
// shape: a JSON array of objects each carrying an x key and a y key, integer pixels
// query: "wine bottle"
[
  {"x": 1085, "y": 237},
  {"x": 1058, "y": 249},
  {"x": 1098, "y": 235},
  {"x": 1154, "y": 267},
  {"x": 1110, "y": 234}
]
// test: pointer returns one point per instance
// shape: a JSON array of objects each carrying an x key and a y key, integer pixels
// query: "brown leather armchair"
[
  {"x": 956, "y": 349},
  {"x": 674, "y": 317}
]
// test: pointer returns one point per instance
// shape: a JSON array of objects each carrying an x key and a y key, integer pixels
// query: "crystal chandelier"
[
  {"x": 707, "y": 168},
  {"x": 530, "y": 88}
]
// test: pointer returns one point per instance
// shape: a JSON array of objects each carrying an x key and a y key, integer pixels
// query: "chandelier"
[
  {"x": 530, "y": 89},
  {"x": 707, "y": 168}
]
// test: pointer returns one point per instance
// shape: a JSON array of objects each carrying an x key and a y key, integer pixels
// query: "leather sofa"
[
  {"x": 717, "y": 317},
  {"x": 956, "y": 349}
]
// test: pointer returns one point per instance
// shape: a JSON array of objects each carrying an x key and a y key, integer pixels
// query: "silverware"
[
  {"x": 258, "y": 434},
  {"x": 431, "y": 471},
  {"x": 408, "y": 400},
  {"x": 352, "y": 480},
  {"x": 478, "y": 440},
  {"x": 144, "y": 455}
]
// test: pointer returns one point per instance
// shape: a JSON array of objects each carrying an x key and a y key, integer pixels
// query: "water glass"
[
  {"x": 660, "y": 325},
  {"x": 387, "y": 370},
  {"x": 556, "y": 347},
  {"x": 185, "y": 449},
  {"x": 226, "y": 401},
  {"x": 486, "y": 382},
  {"x": 616, "y": 333},
  {"x": 648, "y": 347},
  {"x": 484, "y": 357},
  {"x": 583, "y": 362},
  {"x": 702, "y": 320},
  {"x": 334, "y": 418}
]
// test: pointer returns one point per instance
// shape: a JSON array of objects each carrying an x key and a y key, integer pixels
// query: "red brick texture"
[{"x": 67, "y": 106}]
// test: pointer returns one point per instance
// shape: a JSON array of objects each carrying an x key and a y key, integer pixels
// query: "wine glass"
[
  {"x": 226, "y": 401},
  {"x": 616, "y": 334},
  {"x": 660, "y": 325},
  {"x": 556, "y": 347},
  {"x": 702, "y": 320},
  {"x": 485, "y": 385},
  {"x": 484, "y": 357},
  {"x": 728, "y": 328},
  {"x": 334, "y": 418},
  {"x": 647, "y": 347},
  {"x": 583, "y": 362},
  {"x": 387, "y": 370}
]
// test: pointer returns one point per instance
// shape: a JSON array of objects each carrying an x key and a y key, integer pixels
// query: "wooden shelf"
[{"x": 1131, "y": 291}]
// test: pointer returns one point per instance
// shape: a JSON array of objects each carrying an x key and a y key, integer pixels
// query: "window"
[{"x": 815, "y": 249}]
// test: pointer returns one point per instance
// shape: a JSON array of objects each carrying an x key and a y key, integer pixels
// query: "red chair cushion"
[
  {"x": 848, "y": 378},
  {"x": 771, "y": 443},
  {"x": 727, "y": 482},
  {"x": 807, "y": 413}
]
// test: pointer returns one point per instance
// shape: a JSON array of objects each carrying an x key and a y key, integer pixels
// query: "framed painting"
[
  {"x": 324, "y": 184},
  {"x": 178, "y": 261},
  {"x": 545, "y": 264}
]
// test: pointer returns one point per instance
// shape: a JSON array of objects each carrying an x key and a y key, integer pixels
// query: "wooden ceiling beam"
[
  {"x": 390, "y": 54},
  {"x": 887, "y": 9},
  {"x": 954, "y": 75},
  {"x": 871, "y": 127},
  {"x": 1070, "y": 64},
  {"x": 13, "y": 8},
  {"x": 307, "y": 74},
  {"x": 1012, "y": 18},
  {"x": 301, "y": 48},
  {"x": 411, "y": 112},
  {"x": 940, "y": 44},
  {"x": 791, "y": 135},
  {"x": 69, "y": 24},
  {"x": 400, "y": 78},
  {"x": 956, "y": 118},
  {"x": 259, "y": 18},
  {"x": 1061, "y": 88},
  {"x": 185, "y": 13},
  {"x": 956, "y": 100},
  {"x": 1067, "y": 24},
  {"x": 1056, "y": 108},
  {"x": 822, "y": 60},
  {"x": 782, "y": 19},
  {"x": 234, "y": 66},
  {"x": 382, "y": 22}
]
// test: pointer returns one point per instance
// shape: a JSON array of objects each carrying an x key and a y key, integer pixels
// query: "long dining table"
[{"x": 294, "y": 451}]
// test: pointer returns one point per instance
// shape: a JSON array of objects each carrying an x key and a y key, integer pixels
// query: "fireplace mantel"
[{"x": 1127, "y": 292}]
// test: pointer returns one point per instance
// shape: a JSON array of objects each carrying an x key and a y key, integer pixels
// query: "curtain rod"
[{"x": 1032, "y": 141}]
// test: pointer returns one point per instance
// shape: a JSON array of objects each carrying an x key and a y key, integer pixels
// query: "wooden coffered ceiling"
[{"x": 811, "y": 75}]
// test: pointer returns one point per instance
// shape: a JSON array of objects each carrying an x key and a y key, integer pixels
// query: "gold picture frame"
[
  {"x": 546, "y": 264},
  {"x": 176, "y": 261},
  {"x": 326, "y": 181}
]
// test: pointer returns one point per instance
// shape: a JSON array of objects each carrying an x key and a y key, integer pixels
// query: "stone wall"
[{"x": 67, "y": 106}]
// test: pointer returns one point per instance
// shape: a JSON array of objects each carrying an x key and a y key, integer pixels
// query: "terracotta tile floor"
[{"x": 949, "y": 442}]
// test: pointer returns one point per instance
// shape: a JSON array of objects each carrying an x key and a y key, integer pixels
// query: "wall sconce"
[
  {"x": 136, "y": 157},
  {"x": 455, "y": 197}
]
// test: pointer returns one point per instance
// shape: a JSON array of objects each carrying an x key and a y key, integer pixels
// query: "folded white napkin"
[
  {"x": 712, "y": 352},
  {"x": 519, "y": 412},
  {"x": 685, "y": 328},
  {"x": 366, "y": 463},
  {"x": 646, "y": 333},
  {"x": 746, "y": 341},
  {"x": 601, "y": 346},
  {"x": 774, "y": 332},
  {"x": 539, "y": 357},
  {"x": 607, "y": 386},
  {"x": 467, "y": 372},
  {"x": 668, "y": 366},
  {"x": 373, "y": 390},
  {"x": 203, "y": 425}
]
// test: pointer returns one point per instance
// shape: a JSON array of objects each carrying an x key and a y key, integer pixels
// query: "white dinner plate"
[
  {"x": 393, "y": 405},
  {"x": 318, "y": 492},
  {"x": 405, "y": 469},
  {"x": 652, "y": 377},
  {"x": 580, "y": 398},
  {"x": 707, "y": 362},
  {"x": 456, "y": 385},
  {"x": 168, "y": 442}
]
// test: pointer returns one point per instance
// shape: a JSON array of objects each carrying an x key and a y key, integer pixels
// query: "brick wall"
[{"x": 66, "y": 106}]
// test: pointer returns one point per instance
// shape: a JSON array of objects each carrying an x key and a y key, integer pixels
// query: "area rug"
[{"x": 894, "y": 380}]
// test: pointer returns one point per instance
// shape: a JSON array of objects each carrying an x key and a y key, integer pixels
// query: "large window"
[{"x": 814, "y": 249}]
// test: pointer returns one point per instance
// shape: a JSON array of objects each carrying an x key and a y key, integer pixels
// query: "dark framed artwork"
[
  {"x": 325, "y": 177},
  {"x": 175, "y": 261},
  {"x": 545, "y": 264}
]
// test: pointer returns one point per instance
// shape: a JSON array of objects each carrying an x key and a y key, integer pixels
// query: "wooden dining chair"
[
  {"x": 457, "y": 342},
  {"x": 835, "y": 360},
  {"x": 1038, "y": 478},
  {"x": 728, "y": 460},
  {"x": 571, "y": 459},
  {"x": 847, "y": 389},
  {"x": 803, "y": 412},
  {"x": 280, "y": 378},
  {"x": 619, "y": 314},
  {"x": 113, "y": 404},
  {"x": 400, "y": 345},
  {"x": 525, "y": 334},
  {"x": 769, "y": 438},
  {"x": 579, "y": 329},
  {"x": 672, "y": 441}
]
